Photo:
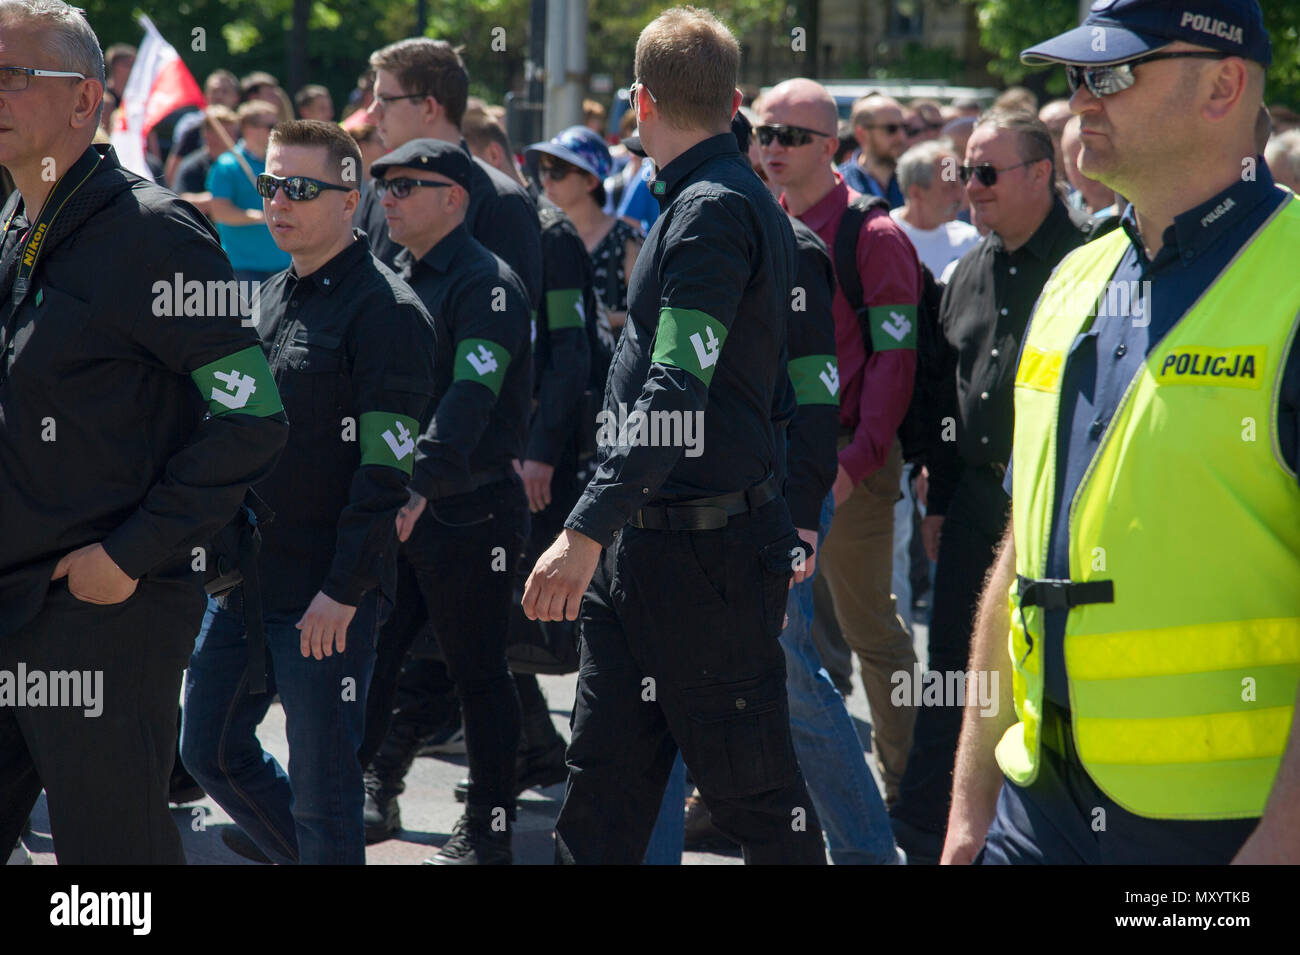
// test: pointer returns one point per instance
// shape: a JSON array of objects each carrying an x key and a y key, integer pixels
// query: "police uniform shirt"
[
  {"x": 125, "y": 416},
  {"x": 707, "y": 313},
  {"x": 353, "y": 353},
  {"x": 483, "y": 389},
  {"x": 501, "y": 215},
  {"x": 983, "y": 316},
  {"x": 561, "y": 352},
  {"x": 812, "y": 382}
]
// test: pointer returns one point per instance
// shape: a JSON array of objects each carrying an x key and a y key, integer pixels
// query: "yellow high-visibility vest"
[{"x": 1182, "y": 689}]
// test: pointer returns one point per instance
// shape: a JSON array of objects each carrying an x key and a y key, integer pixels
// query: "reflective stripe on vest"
[{"x": 1182, "y": 690}]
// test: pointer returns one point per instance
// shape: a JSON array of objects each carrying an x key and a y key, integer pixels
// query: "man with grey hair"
[
  {"x": 1283, "y": 157},
  {"x": 130, "y": 436},
  {"x": 933, "y": 195}
]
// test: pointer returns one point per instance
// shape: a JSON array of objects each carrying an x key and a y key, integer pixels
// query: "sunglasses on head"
[
  {"x": 986, "y": 174},
  {"x": 297, "y": 188},
  {"x": 1108, "y": 80},
  {"x": 786, "y": 135},
  {"x": 401, "y": 186}
]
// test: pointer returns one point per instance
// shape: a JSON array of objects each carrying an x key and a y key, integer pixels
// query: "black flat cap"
[{"x": 435, "y": 155}]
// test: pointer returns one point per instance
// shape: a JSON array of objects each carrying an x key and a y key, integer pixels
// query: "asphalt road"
[{"x": 429, "y": 810}]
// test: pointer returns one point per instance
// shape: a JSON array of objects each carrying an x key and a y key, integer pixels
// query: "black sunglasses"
[
  {"x": 401, "y": 186},
  {"x": 889, "y": 128},
  {"x": 1108, "y": 80},
  {"x": 985, "y": 172},
  {"x": 786, "y": 135},
  {"x": 297, "y": 188},
  {"x": 555, "y": 171}
]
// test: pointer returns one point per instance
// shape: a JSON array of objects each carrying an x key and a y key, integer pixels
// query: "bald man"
[
  {"x": 882, "y": 137},
  {"x": 797, "y": 140}
]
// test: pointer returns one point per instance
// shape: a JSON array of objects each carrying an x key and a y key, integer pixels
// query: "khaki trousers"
[{"x": 858, "y": 562}]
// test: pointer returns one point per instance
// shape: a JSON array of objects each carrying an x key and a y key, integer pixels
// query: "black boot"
[
  {"x": 385, "y": 780},
  {"x": 481, "y": 837},
  {"x": 540, "y": 761}
]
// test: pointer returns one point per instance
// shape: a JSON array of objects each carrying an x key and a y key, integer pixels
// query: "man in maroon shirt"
[{"x": 875, "y": 389}]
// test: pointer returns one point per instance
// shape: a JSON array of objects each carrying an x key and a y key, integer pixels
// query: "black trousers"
[
  {"x": 463, "y": 555},
  {"x": 105, "y": 775},
  {"x": 680, "y": 650},
  {"x": 976, "y": 520}
]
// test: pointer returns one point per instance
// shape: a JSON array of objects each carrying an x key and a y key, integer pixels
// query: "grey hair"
[
  {"x": 1034, "y": 139},
  {"x": 67, "y": 35},
  {"x": 1285, "y": 148},
  {"x": 917, "y": 166}
]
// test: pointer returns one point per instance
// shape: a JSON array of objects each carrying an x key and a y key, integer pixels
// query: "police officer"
[
  {"x": 467, "y": 519},
  {"x": 694, "y": 523},
  {"x": 353, "y": 352},
  {"x": 130, "y": 429},
  {"x": 1153, "y": 549}
]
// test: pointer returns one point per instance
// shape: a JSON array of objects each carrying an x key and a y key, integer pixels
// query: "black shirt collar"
[
  {"x": 444, "y": 252},
  {"x": 668, "y": 180},
  {"x": 333, "y": 273},
  {"x": 1041, "y": 242},
  {"x": 1194, "y": 231}
]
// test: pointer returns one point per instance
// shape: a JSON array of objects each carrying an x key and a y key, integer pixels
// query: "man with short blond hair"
[{"x": 699, "y": 526}]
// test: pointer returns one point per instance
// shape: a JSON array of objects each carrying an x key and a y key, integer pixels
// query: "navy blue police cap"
[{"x": 1119, "y": 30}]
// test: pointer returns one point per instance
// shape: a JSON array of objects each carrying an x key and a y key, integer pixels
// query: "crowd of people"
[{"x": 812, "y": 337}]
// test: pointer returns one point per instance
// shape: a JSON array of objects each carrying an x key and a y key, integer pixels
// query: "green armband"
[
  {"x": 892, "y": 326},
  {"x": 388, "y": 439},
  {"x": 690, "y": 340},
  {"x": 478, "y": 359},
  {"x": 564, "y": 309},
  {"x": 816, "y": 380},
  {"x": 241, "y": 382}
]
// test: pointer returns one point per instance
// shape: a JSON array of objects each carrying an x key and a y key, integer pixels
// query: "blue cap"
[
  {"x": 1119, "y": 30},
  {"x": 578, "y": 146}
]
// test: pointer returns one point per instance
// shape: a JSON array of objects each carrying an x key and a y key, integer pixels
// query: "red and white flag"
[{"x": 159, "y": 84}]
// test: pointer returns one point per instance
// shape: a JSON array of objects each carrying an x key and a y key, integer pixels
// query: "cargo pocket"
[
  {"x": 778, "y": 560},
  {"x": 739, "y": 736}
]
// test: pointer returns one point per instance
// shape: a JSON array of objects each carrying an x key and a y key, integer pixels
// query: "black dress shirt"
[
  {"x": 484, "y": 379},
  {"x": 708, "y": 308},
  {"x": 985, "y": 310},
  {"x": 353, "y": 353}
]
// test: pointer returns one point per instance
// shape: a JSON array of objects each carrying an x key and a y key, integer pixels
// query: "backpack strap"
[{"x": 846, "y": 253}]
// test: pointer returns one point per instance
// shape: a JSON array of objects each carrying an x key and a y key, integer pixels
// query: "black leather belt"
[
  {"x": 704, "y": 513},
  {"x": 1064, "y": 594}
]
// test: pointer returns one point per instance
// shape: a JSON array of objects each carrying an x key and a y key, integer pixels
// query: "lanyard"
[{"x": 63, "y": 190}]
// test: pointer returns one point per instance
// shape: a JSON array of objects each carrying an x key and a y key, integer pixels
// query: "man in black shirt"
[
  {"x": 129, "y": 433},
  {"x": 681, "y": 619},
  {"x": 421, "y": 91},
  {"x": 353, "y": 351},
  {"x": 465, "y": 549},
  {"x": 985, "y": 309}
]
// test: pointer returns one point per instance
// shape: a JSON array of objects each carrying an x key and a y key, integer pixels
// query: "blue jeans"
[
  {"x": 830, "y": 754},
  {"x": 901, "y": 582},
  {"x": 313, "y": 816}
]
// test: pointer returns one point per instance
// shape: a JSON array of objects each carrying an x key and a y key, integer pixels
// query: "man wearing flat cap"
[
  {"x": 465, "y": 525},
  {"x": 1149, "y": 654}
]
